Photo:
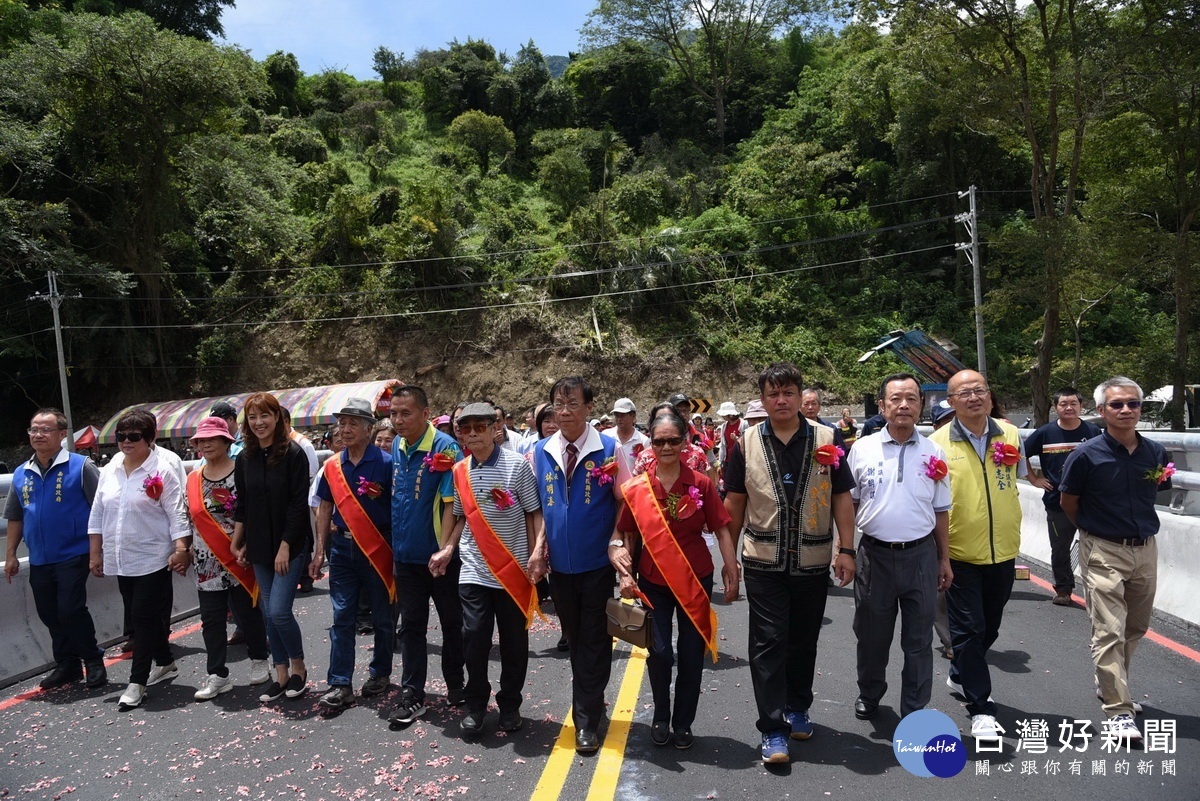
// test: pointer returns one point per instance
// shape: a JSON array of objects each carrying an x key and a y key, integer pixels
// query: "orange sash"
[
  {"x": 364, "y": 531},
  {"x": 665, "y": 551},
  {"x": 215, "y": 537},
  {"x": 499, "y": 558}
]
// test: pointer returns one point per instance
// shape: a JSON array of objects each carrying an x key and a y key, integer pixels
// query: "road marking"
[
  {"x": 36, "y": 691},
  {"x": 1152, "y": 636},
  {"x": 608, "y": 767},
  {"x": 612, "y": 753}
]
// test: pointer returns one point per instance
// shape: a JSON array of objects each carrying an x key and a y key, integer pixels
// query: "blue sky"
[{"x": 344, "y": 34}]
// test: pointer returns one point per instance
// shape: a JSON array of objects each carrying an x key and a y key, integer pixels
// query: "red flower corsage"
[
  {"x": 368, "y": 489},
  {"x": 604, "y": 473},
  {"x": 439, "y": 462},
  {"x": 829, "y": 455},
  {"x": 1005, "y": 454},
  {"x": 153, "y": 485},
  {"x": 502, "y": 498},
  {"x": 936, "y": 469}
]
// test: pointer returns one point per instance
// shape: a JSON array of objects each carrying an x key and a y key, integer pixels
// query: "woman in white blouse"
[{"x": 139, "y": 532}]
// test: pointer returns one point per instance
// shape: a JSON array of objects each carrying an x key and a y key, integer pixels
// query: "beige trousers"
[{"x": 1120, "y": 581}]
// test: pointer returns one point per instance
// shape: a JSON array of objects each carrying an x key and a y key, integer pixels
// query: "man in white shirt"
[
  {"x": 630, "y": 441},
  {"x": 902, "y": 499}
]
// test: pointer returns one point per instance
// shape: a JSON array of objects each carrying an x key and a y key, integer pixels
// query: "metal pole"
[
  {"x": 55, "y": 300},
  {"x": 971, "y": 221}
]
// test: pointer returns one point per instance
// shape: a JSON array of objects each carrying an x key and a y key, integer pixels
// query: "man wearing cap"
[
  {"x": 630, "y": 441},
  {"x": 48, "y": 508},
  {"x": 902, "y": 499},
  {"x": 785, "y": 484},
  {"x": 422, "y": 515},
  {"x": 579, "y": 476},
  {"x": 354, "y": 518},
  {"x": 498, "y": 532},
  {"x": 229, "y": 414}
]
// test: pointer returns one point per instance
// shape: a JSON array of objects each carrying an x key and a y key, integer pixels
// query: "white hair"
[{"x": 1112, "y": 383}]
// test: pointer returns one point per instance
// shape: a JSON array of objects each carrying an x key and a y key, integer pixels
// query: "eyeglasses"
[
  {"x": 478, "y": 428},
  {"x": 1117, "y": 406},
  {"x": 33, "y": 430},
  {"x": 132, "y": 436},
  {"x": 660, "y": 442},
  {"x": 573, "y": 406},
  {"x": 973, "y": 392}
]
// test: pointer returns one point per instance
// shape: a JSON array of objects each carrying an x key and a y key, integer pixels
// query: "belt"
[
  {"x": 1133, "y": 542},
  {"x": 867, "y": 539}
]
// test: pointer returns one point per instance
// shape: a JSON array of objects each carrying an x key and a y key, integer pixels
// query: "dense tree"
[
  {"x": 200, "y": 19},
  {"x": 483, "y": 135}
]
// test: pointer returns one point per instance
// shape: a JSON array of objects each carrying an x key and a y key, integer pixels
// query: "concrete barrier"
[
  {"x": 26, "y": 649},
  {"x": 1178, "y": 570}
]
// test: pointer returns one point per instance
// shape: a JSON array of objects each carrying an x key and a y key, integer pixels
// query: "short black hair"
[
  {"x": 1067, "y": 392},
  {"x": 780, "y": 374},
  {"x": 669, "y": 414},
  {"x": 139, "y": 420},
  {"x": 412, "y": 391},
  {"x": 59, "y": 418},
  {"x": 901, "y": 377},
  {"x": 565, "y": 386}
]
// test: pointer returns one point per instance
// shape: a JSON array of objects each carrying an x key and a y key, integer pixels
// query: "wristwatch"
[
  {"x": 616, "y": 543},
  {"x": 848, "y": 551}
]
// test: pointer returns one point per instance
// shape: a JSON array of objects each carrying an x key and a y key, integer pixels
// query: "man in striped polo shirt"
[{"x": 500, "y": 538}]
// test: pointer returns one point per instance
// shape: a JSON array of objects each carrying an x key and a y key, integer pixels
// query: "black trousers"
[
  {"x": 415, "y": 586},
  {"x": 975, "y": 604},
  {"x": 484, "y": 610},
  {"x": 785, "y": 623},
  {"x": 1062, "y": 534},
  {"x": 145, "y": 597},
  {"x": 579, "y": 599},
  {"x": 687, "y": 656},
  {"x": 60, "y": 595},
  {"x": 248, "y": 618}
]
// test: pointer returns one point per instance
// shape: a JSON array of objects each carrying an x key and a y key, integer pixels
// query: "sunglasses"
[
  {"x": 1117, "y": 406},
  {"x": 674, "y": 442},
  {"x": 478, "y": 428},
  {"x": 132, "y": 436}
]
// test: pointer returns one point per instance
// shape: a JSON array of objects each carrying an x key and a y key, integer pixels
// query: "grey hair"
[{"x": 1112, "y": 383}]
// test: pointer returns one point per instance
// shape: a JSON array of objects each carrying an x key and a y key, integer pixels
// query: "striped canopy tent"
[{"x": 309, "y": 406}]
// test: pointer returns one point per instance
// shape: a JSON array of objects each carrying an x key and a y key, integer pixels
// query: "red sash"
[
  {"x": 500, "y": 560},
  {"x": 665, "y": 551},
  {"x": 215, "y": 537},
  {"x": 364, "y": 531}
]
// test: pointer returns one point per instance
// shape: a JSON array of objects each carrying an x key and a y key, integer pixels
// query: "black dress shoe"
[
  {"x": 864, "y": 709},
  {"x": 563, "y": 645},
  {"x": 62, "y": 674},
  {"x": 660, "y": 732},
  {"x": 586, "y": 742},
  {"x": 684, "y": 739}
]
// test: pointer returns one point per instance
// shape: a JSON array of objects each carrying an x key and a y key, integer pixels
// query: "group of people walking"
[{"x": 474, "y": 522}]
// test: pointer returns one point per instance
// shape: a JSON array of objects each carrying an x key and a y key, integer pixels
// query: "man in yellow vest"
[{"x": 984, "y": 459}]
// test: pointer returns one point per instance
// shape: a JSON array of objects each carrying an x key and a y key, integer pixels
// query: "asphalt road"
[{"x": 73, "y": 744}]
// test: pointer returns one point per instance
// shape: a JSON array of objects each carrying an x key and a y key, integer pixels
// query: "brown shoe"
[{"x": 1062, "y": 599}]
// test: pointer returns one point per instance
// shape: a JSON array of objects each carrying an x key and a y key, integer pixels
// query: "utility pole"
[
  {"x": 55, "y": 300},
  {"x": 971, "y": 221}
]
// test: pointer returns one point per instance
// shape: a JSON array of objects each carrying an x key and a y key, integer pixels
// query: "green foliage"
[
  {"x": 296, "y": 140},
  {"x": 483, "y": 135}
]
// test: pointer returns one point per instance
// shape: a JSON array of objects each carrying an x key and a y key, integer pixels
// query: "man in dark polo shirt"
[
  {"x": 1052, "y": 444},
  {"x": 1108, "y": 490},
  {"x": 781, "y": 489}
]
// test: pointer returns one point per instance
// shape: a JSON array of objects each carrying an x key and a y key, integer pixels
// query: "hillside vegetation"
[{"x": 693, "y": 201}]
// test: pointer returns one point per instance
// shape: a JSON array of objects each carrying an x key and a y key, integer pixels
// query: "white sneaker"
[
  {"x": 1137, "y": 708},
  {"x": 162, "y": 673},
  {"x": 956, "y": 688},
  {"x": 213, "y": 686},
  {"x": 132, "y": 697},
  {"x": 985, "y": 727},
  {"x": 1122, "y": 727},
  {"x": 259, "y": 672}
]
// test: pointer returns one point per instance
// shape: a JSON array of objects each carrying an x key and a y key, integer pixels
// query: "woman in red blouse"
[{"x": 666, "y": 511}]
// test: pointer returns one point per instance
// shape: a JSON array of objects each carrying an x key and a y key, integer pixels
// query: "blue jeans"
[
  {"x": 275, "y": 596},
  {"x": 350, "y": 575}
]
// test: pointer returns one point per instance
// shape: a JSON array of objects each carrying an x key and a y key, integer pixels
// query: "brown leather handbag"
[{"x": 629, "y": 622}]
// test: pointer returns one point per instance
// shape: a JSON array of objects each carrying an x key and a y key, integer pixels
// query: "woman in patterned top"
[{"x": 211, "y": 499}]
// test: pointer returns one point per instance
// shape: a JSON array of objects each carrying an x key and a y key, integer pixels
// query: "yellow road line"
[{"x": 608, "y": 765}]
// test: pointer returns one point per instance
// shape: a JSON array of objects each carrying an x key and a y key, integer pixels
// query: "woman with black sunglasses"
[{"x": 139, "y": 532}]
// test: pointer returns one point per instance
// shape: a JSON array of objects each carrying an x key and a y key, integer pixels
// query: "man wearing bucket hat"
[{"x": 355, "y": 519}]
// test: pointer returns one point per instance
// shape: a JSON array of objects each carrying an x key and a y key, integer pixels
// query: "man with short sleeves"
[
  {"x": 354, "y": 519},
  {"x": 499, "y": 535},
  {"x": 1108, "y": 491},
  {"x": 631, "y": 441},
  {"x": 785, "y": 486},
  {"x": 983, "y": 456},
  {"x": 579, "y": 491},
  {"x": 47, "y": 508},
  {"x": 1052, "y": 444},
  {"x": 902, "y": 499},
  {"x": 422, "y": 494}
]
